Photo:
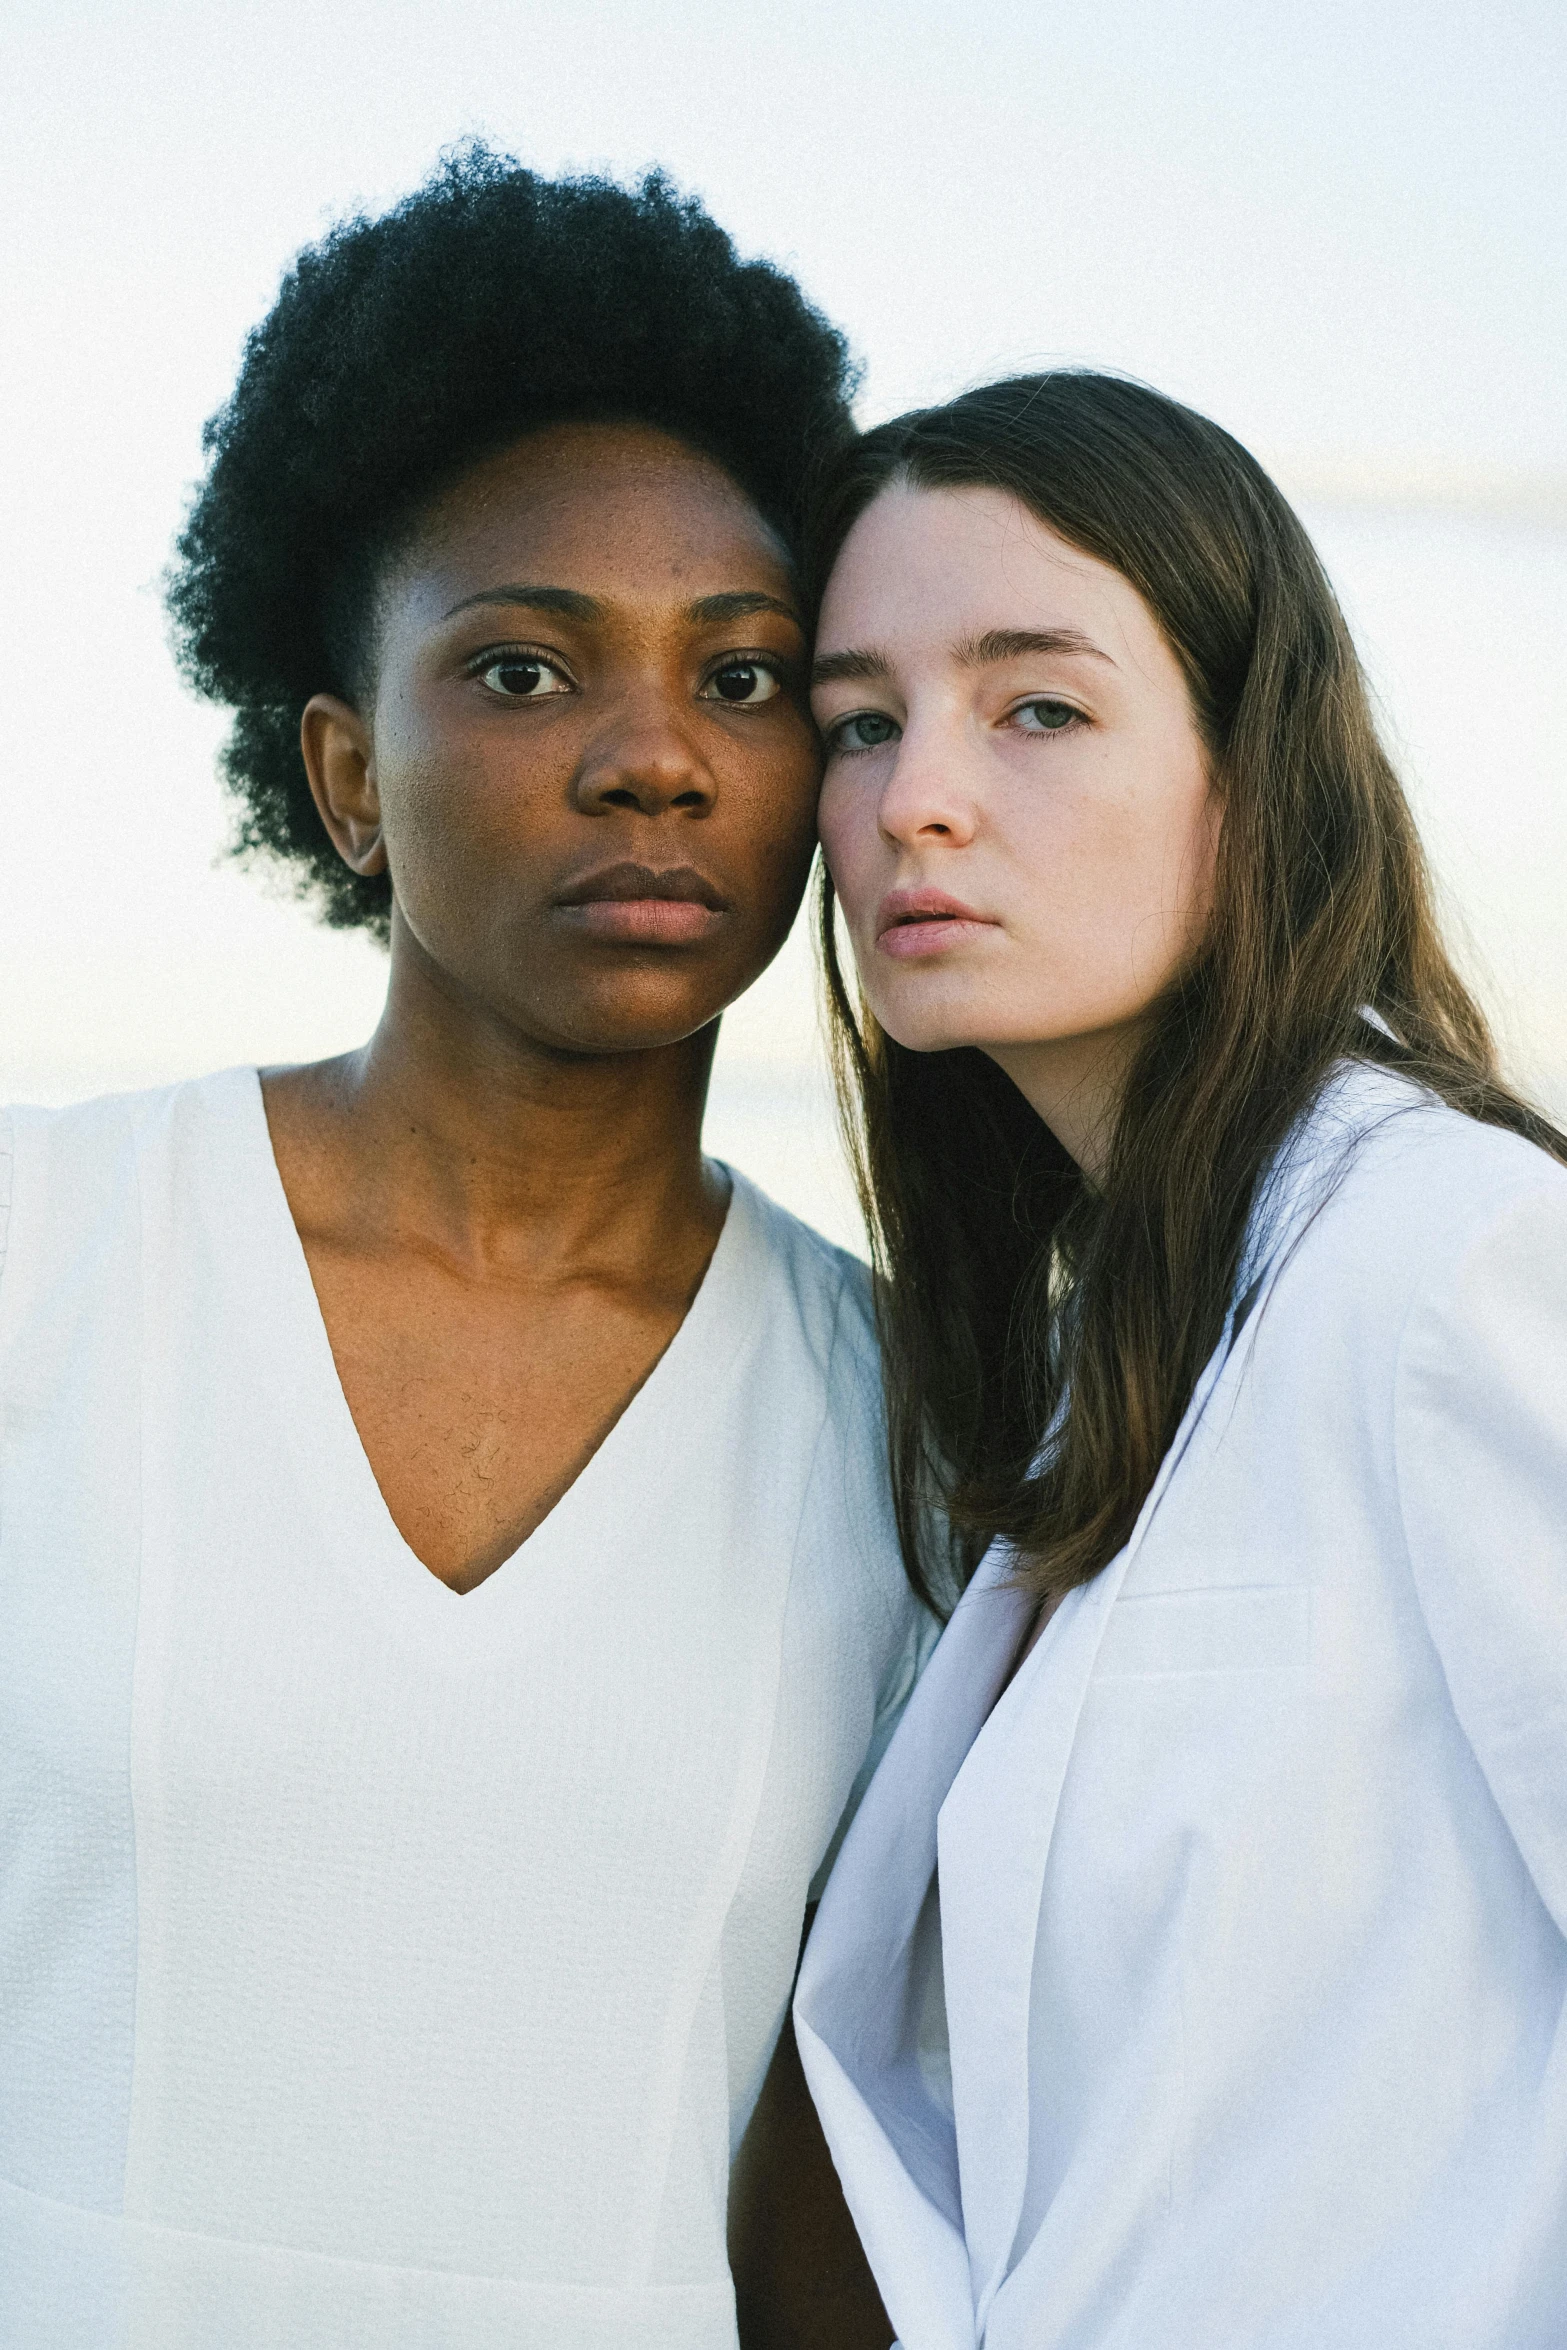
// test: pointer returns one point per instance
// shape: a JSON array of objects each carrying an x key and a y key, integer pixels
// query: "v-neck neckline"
[{"x": 697, "y": 1344}]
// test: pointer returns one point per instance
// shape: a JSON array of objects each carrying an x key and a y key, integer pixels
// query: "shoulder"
[
  {"x": 88, "y": 1129},
  {"x": 848, "y": 1539},
  {"x": 1385, "y": 1208},
  {"x": 66, "y": 1172},
  {"x": 1398, "y": 1189},
  {"x": 819, "y": 1294},
  {"x": 1484, "y": 1340}
]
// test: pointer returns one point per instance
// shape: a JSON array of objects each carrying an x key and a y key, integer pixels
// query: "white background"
[{"x": 1342, "y": 230}]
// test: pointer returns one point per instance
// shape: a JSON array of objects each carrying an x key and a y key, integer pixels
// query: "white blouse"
[
  {"x": 378, "y": 1966},
  {"x": 1205, "y": 1988}
]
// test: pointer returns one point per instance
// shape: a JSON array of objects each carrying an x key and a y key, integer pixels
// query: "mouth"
[
  {"x": 634, "y": 905},
  {"x": 911, "y": 923}
]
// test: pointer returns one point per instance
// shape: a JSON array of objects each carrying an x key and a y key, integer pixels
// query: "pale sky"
[{"x": 1342, "y": 230}]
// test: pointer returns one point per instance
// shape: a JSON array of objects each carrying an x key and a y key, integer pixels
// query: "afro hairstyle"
[{"x": 487, "y": 304}]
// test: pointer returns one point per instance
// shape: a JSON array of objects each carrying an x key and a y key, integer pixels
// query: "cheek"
[
  {"x": 1176, "y": 879},
  {"x": 851, "y": 840},
  {"x": 1199, "y": 872},
  {"x": 1146, "y": 887},
  {"x": 442, "y": 834},
  {"x": 465, "y": 815},
  {"x": 1114, "y": 871},
  {"x": 774, "y": 780},
  {"x": 451, "y": 763},
  {"x": 763, "y": 834}
]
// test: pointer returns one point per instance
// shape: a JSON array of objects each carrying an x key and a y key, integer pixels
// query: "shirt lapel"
[
  {"x": 992, "y": 1871},
  {"x": 867, "y": 1992},
  {"x": 993, "y": 1852}
]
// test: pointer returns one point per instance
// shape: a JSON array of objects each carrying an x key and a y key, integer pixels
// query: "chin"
[
  {"x": 929, "y": 1035},
  {"x": 930, "y": 1019},
  {"x": 626, "y": 1018},
  {"x": 606, "y": 1039}
]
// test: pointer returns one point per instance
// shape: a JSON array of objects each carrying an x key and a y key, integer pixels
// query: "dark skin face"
[
  {"x": 589, "y": 661},
  {"x": 588, "y": 680},
  {"x": 587, "y": 658}
]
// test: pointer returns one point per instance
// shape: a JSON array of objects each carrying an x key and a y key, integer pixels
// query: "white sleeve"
[
  {"x": 909, "y": 1661},
  {"x": 1481, "y": 1446},
  {"x": 856, "y": 1533}
]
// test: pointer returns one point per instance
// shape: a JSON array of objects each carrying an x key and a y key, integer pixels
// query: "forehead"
[
  {"x": 619, "y": 512},
  {"x": 926, "y": 567}
]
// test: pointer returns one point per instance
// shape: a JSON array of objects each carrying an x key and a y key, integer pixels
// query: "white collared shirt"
[{"x": 1208, "y": 1989}]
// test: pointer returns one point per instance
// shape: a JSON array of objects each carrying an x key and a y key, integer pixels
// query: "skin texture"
[
  {"x": 502, "y": 1197},
  {"x": 1007, "y": 727}
]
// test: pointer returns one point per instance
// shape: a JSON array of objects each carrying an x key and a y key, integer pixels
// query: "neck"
[
  {"x": 1075, "y": 1084},
  {"x": 478, "y": 1141}
]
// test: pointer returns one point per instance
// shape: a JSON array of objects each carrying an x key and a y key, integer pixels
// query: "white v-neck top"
[{"x": 380, "y": 1966}]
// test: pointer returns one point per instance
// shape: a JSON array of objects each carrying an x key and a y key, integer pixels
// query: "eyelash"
[
  {"x": 1075, "y": 717},
  {"x": 839, "y": 749},
  {"x": 833, "y": 735},
  {"x": 492, "y": 654},
  {"x": 769, "y": 663},
  {"x": 774, "y": 667}
]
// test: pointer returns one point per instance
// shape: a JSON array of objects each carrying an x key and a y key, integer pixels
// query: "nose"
[
  {"x": 923, "y": 800},
  {"x": 644, "y": 761}
]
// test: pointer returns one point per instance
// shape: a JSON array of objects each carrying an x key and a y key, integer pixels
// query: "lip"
[
  {"x": 911, "y": 923},
  {"x": 639, "y": 905}
]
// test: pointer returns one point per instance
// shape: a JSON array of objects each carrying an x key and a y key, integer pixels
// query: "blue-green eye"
[
  {"x": 522, "y": 677},
  {"x": 863, "y": 730},
  {"x": 1045, "y": 716}
]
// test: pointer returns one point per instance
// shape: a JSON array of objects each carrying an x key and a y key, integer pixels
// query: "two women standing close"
[{"x": 399, "y": 1966}]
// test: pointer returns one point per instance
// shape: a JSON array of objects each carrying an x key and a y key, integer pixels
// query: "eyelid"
[
  {"x": 831, "y": 731},
  {"x": 833, "y": 718},
  {"x": 517, "y": 649},
  {"x": 1054, "y": 701},
  {"x": 747, "y": 657},
  {"x": 787, "y": 668},
  {"x": 783, "y": 676}
]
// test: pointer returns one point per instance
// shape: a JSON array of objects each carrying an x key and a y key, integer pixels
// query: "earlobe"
[{"x": 335, "y": 744}]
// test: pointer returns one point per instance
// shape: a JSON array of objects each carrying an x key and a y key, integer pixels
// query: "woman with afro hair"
[{"x": 449, "y": 1593}]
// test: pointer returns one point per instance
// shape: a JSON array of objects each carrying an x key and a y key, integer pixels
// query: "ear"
[{"x": 335, "y": 742}]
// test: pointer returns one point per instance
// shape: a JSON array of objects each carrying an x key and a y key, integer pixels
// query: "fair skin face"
[{"x": 1017, "y": 809}]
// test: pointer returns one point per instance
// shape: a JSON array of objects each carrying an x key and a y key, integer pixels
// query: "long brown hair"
[{"x": 1013, "y": 1298}]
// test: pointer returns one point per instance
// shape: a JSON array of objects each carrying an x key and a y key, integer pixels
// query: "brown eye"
[
  {"x": 522, "y": 677},
  {"x": 741, "y": 682}
]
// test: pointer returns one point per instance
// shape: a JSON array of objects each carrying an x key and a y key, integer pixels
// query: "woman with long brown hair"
[{"x": 1195, "y": 1971}]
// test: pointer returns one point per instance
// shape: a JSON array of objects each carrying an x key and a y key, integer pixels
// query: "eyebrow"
[
  {"x": 739, "y": 604},
  {"x": 1008, "y": 644},
  {"x": 863, "y": 668},
  {"x": 977, "y": 652},
  {"x": 568, "y": 604}
]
